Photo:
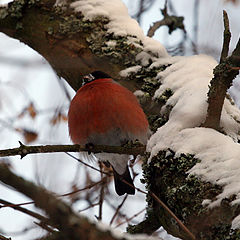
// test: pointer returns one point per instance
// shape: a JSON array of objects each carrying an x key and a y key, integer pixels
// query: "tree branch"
[
  {"x": 70, "y": 225},
  {"x": 4, "y": 238},
  {"x": 64, "y": 38},
  {"x": 24, "y": 150},
  {"x": 224, "y": 73},
  {"x": 24, "y": 210},
  {"x": 226, "y": 37},
  {"x": 173, "y": 23}
]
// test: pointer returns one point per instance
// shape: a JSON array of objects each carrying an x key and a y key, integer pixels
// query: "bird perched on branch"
[{"x": 105, "y": 113}]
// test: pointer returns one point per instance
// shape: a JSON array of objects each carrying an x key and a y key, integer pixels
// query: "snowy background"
[{"x": 25, "y": 77}]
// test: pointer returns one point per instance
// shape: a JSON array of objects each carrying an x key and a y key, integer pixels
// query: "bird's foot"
[{"x": 89, "y": 147}]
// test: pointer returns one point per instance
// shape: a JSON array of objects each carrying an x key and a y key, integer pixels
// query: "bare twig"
[
  {"x": 24, "y": 210},
  {"x": 144, "y": 5},
  {"x": 88, "y": 165},
  {"x": 129, "y": 219},
  {"x": 155, "y": 197},
  {"x": 118, "y": 208},
  {"x": 90, "y": 206},
  {"x": 226, "y": 37},
  {"x": 62, "y": 85},
  {"x": 173, "y": 23},
  {"x": 101, "y": 197},
  {"x": 45, "y": 227},
  {"x": 17, "y": 206},
  {"x": 82, "y": 189},
  {"x": 24, "y": 150}
]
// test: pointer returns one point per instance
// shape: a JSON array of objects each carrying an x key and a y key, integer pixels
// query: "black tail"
[{"x": 120, "y": 186}]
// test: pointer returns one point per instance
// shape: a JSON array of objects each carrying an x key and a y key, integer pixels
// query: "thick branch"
[
  {"x": 23, "y": 150},
  {"x": 71, "y": 225},
  {"x": 66, "y": 40}
]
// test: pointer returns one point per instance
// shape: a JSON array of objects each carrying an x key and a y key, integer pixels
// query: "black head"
[
  {"x": 94, "y": 76},
  {"x": 99, "y": 74}
]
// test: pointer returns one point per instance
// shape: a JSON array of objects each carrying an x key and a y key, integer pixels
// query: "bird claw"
[{"x": 89, "y": 147}]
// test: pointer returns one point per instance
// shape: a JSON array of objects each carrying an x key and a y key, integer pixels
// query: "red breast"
[{"x": 104, "y": 112}]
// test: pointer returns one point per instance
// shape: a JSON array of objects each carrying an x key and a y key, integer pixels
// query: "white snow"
[
  {"x": 189, "y": 78},
  {"x": 121, "y": 24},
  {"x": 120, "y": 235},
  {"x": 236, "y": 222},
  {"x": 206, "y": 202},
  {"x": 139, "y": 93},
  {"x": 126, "y": 72}
]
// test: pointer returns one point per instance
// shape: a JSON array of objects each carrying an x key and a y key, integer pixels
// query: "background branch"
[
  {"x": 71, "y": 226},
  {"x": 24, "y": 210},
  {"x": 173, "y": 23}
]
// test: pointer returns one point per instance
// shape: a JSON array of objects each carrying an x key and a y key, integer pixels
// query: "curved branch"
[
  {"x": 173, "y": 23},
  {"x": 66, "y": 40}
]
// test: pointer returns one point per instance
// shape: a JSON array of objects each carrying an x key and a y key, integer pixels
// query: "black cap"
[{"x": 99, "y": 74}]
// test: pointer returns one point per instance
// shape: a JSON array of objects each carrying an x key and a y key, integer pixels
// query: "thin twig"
[
  {"x": 101, "y": 197},
  {"x": 154, "y": 196},
  {"x": 17, "y": 206},
  {"x": 88, "y": 165},
  {"x": 226, "y": 37},
  {"x": 82, "y": 189},
  {"x": 24, "y": 210},
  {"x": 62, "y": 85},
  {"x": 129, "y": 219},
  {"x": 118, "y": 209},
  {"x": 45, "y": 227},
  {"x": 24, "y": 150},
  {"x": 90, "y": 206}
]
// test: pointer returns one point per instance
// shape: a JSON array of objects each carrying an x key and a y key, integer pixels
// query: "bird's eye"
[{"x": 87, "y": 79}]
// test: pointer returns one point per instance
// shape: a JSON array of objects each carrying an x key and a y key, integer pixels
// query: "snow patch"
[
  {"x": 121, "y": 24},
  {"x": 206, "y": 202},
  {"x": 120, "y": 235},
  {"x": 189, "y": 78},
  {"x": 126, "y": 72},
  {"x": 236, "y": 223},
  {"x": 139, "y": 93}
]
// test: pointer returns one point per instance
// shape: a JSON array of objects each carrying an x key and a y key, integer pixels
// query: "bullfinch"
[{"x": 104, "y": 113}]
